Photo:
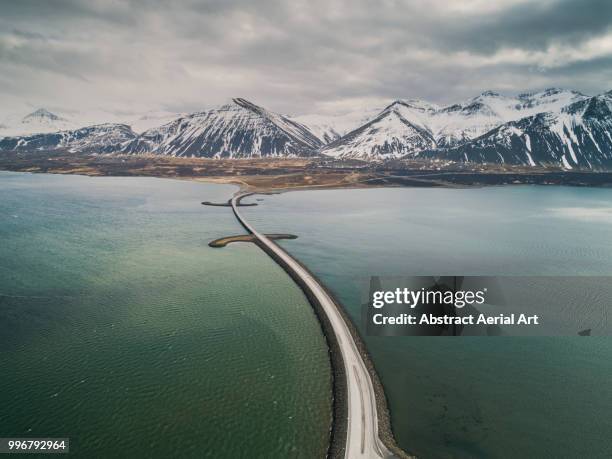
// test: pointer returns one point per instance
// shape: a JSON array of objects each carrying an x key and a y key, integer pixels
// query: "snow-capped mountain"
[
  {"x": 44, "y": 121},
  {"x": 42, "y": 115},
  {"x": 577, "y": 136},
  {"x": 102, "y": 138},
  {"x": 552, "y": 127},
  {"x": 41, "y": 120},
  {"x": 239, "y": 129},
  {"x": 462, "y": 122},
  {"x": 322, "y": 127},
  {"x": 333, "y": 126},
  {"x": 451, "y": 125},
  {"x": 390, "y": 134},
  {"x": 150, "y": 120}
]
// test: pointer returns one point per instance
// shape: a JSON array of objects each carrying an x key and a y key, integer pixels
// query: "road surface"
[{"x": 362, "y": 439}]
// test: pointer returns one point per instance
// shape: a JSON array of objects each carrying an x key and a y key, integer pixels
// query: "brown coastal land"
[{"x": 278, "y": 174}]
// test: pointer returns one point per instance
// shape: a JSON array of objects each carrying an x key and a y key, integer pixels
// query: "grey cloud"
[
  {"x": 290, "y": 56},
  {"x": 532, "y": 26},
  {"x": 40, "y": 11}
]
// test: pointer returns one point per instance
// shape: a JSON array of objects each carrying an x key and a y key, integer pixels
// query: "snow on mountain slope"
[
  {"x": 236, "y": 130},
  {"x": 41, "y": 120},
  {"x": 150, "y": 120},
  {"x": 577, "y": 136},
  {"x": 323, "y": 128},
  {"x": 102, "y": 138},
  {"x": 460, "y": 123},
  {"x": 333, "y": 126},
  {"x": 551, "y": 127},
  {"x": 417, "y": 112},
  {"x": 44, "y": 121},
  {"x": 390, "y": 134}
]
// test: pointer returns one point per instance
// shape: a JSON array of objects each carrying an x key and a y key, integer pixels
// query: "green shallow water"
[
  {"x": 471, "y": 397},
  {"x": 121, "y": 329}
]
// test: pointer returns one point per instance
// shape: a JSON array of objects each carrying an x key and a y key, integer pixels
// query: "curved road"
[{"x": 362, "y": 439}]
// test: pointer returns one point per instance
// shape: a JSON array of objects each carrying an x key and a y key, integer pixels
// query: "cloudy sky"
[{"x": 298, "y": 56}]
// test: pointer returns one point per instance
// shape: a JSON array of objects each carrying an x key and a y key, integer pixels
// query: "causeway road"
[{"x": 362, "y": 440}]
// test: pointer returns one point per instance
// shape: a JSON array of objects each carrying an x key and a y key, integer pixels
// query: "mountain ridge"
[
  {"x": 579, "y": 136},
  {"x": 100, "y": 138},
  {"x": 461, "y": 122},
  {"x": 553, "y": 127},
  {"x": 234, "y": 130}
]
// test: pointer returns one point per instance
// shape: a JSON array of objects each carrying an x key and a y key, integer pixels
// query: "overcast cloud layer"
[{"x": 298, "y": 56}]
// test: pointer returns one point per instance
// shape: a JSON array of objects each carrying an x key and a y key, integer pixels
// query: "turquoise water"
[
  {"x": 470, "y": 396},
  {"x": 122, "y": 330}
]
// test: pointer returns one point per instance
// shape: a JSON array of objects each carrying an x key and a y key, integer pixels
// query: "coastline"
[{"x": 288, "y": 174}]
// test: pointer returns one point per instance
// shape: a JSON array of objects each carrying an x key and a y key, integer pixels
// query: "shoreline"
[
  {"x": 371, "y": 183},
  {"x": 289, "y": 174}
]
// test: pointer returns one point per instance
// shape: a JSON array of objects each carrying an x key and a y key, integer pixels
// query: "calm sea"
[
  {"x": 470, "y": 396},
  {"x": 122, "y": 330}
]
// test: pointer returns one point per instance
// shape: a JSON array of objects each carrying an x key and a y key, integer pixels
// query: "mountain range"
[
  {"x": 101, "y": 138},
  {"x": 554, "y": 127}
]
